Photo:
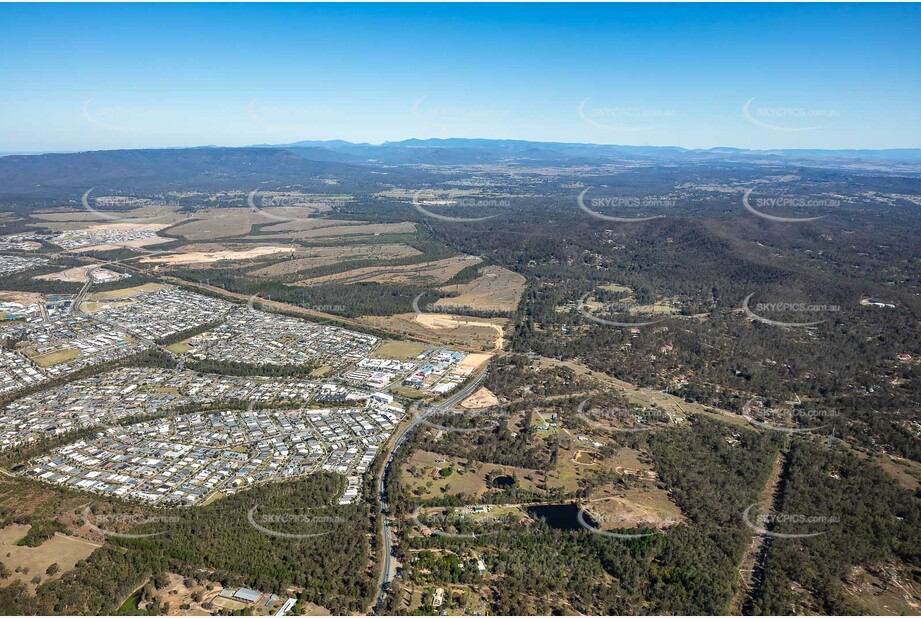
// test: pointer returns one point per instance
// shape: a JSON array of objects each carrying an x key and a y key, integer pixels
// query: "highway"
[{"x": 386, "y": 576}]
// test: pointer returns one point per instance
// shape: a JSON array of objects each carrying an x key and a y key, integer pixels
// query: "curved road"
[{"x": 386, "y": 576}]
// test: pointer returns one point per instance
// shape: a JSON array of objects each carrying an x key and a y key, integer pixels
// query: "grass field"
[
  {"x": 179, "y": 348},
  {"x": 125, "y": 292},
  {"x": 66, "y": 551},
  {"x": 57, "y": 357}
]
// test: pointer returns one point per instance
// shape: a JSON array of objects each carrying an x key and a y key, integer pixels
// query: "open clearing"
[
  {"x": 206, "y": 257},
  {"x": 496, "y": 289},
  {"x": 316, "y": 257},
  {"x": 421, "y": 474},
  {"x": 426, "y": 273},
  {"x": 450, "y": 322},
  {"x": 480, "y": 400},
  {"x": 213, "y": 223},
  {"x": 151, "y": 218},
  {"x": 56, "y": 358},
  {"x": 477, "y": 335},
  {"x": 400, "y": 350},
  {"x": 635, "y": 507},
  {"x": 340, "y": 229},
  {"x": 26, "y": 298},
  {"x": 126, "y": 292},
  {"x": 469, "y": 363},
  {"x": 78, "y": 274},
  {"x": 66, "y": 551}
]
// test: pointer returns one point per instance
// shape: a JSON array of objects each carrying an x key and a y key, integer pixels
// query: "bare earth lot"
[{"x": 206, "y": 257}]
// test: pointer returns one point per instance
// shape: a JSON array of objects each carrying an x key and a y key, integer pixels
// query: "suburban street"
[{"x": 387, "y": 566}]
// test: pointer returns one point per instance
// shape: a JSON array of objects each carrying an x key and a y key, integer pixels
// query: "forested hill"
[{"x": 49, "y": 174}]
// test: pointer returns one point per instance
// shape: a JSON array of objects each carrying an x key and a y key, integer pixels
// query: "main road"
[{"x": 386, "y": 576}]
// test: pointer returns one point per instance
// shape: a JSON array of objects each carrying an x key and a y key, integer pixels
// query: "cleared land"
[
  {"x": 480, "y": 400},
  {"x": 635, "y": 507},
  {"x": 496, "y": 289},
  {"x": 469, "y": 364},
  {"x": 426, "y": 273},
  {"x": 316, "y": 257},
  {"x": 206, "y": 257},
  {"x": 66, "y": 551},
  {"x": 78, "y": 274},
  {"x": 330, "y": 229},
  {"x": 400, "y": 350},
  {"x": 466, "y": 333},
  {"x": 126, "y": 292},
  {"x": 145, "y": 218},
  {"x": 226, "y": 222}
]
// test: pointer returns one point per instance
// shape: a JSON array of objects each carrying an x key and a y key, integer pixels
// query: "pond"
[
  {"x": 503, "y": 482},
  {"x": 558, "y": 516}
]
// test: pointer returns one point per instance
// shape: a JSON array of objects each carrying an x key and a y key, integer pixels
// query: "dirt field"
[
  {"x": 426, "y": 273},
  {"x": 477, "y": 335},
  {"x": 469, "y": 363},
  {"x": 315, "y": 257},
  {"x": 480, "y": 400},
  {"x": 203, "y": 257},
  {"x": 400, "y": 350},
  {"x": 436, "y": 321},
  {"x": 26, "y": 298},
  {"x": 635, "y": 507},
  {"x": 496, "y": 289},
  {"x": 66, "y": 551}
]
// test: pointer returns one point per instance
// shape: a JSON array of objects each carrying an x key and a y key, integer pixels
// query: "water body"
[
  {"x": 558, "y": 516},
  {"x": 503, "y": 482}
]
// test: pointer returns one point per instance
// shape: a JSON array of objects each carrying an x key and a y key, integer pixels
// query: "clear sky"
[{"x": 81, "y": 77}]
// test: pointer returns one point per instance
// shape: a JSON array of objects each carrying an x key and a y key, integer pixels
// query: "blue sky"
[{"x": 81, "y": 77}]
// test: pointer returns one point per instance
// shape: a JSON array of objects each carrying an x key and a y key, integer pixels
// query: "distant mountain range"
[
  {"x": 466, "y": 150},
  {"x": 216, "y": 167}
]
